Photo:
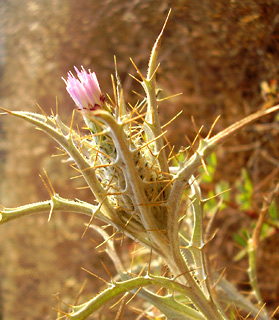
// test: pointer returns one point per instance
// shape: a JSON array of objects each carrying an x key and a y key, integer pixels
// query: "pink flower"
[{"x": 85, "y": 90}]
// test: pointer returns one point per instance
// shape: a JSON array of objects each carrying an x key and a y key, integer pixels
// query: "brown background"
[{"x": 215, "y": 52}]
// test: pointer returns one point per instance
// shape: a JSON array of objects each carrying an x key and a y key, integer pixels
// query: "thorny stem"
[
  {"x": 253, "y": 247},
  {"x": 59, "y": 204},
  {"x": 125, "y": 161},
  {"x": 206, "y": 147},
  {"x": 179, "y": 268},
  {"x": 117, "y": 289}
]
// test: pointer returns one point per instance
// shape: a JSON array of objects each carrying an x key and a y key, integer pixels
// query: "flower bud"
[{"x": 85, "y": 90}]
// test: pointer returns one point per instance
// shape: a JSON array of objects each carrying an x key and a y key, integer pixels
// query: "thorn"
[
  {"x": 237, "y": 312},
  {"x": 80, "y": 291},
  {"x": 112, "y": 104},
  {"x": 175, "y": 156},
  {"x": 137, "y": 250},
  {"x": 138, "y": 71},
  {"x": 110, "y": 181},
  {"x": 161, "y": 192},
  {"x": 131, "y": 217},
  {"x": 121, "y": 309},
  {"x": 114, "y": 88},
  {"x": 133, "y": 256},
  {"x": 274, "y": 312},
  {"x": 149, "y": 263},
  {"x": 135, "y": 78},
  {"x": 101, "y": 152},
  {"x": 181, "y": 274},
  {"x": 219, "y": 278},
  {"x": 153, "y": 74},
  {"x": 139, "y": 106},
  {"x": 188, "y": 206},
  {"x": 65, "y": 314},
  {"x": 57, "y": 297},
  {"x": 42, "y": 110},
  {"x": 158, "y": 291},
  {"x": 216, "y": 195},
  {"x": 139, "y": 113},
  {"x": 149, "y": 149},
  {"x": 188, "y": 140},
  {"x": 140, "y": 95},
  {"x": 170, "y": 97},
  {"x": 248, "y": 315},
  {"x": 141, "y": 271},
  {"x": 169, "y": 122},
  {"x": 54, "y": 119},
  {"x": 141, "y": 313},
  {"x": 72, "y": 122},
  {"x": 159, "y": 152},
  {"x": 204, "y": 166},
  {"x": 110, "y": 237},
  {"x": 46, "y": 186},
  {"x": 212, "y": 127},
  {"x": 190, "y": 148},
  {"x": 140, "y": 116},
  {"x": 120, "y": 101},
  {"x": 157, "y": 181},
  {"x": 151, "y": 204},
  {"x": 197, "y": 135},
  {"x": 50, "y": 212},
  {"x": 260, "y": 311},
  {"x": 94, "y": 275},
  {"x": 122, "y": 239},
  {"x": 56, "y": 106},
  {"x": 133, "y": 296},
  {"x": 59, "y": 155},
  {"x": 211, "y": 238},
  {"x": 105, "y": 165},
  {"x": 123, "y": 300},
  {"x": 155, "y": 190},
  {"x": 92, "y": 217},
  {"x": 130, "y": 134},
  {"x": 107, "y": 271},
  {"x": 151, "y": 141},
  {"x": 163, "y": 173},
  {"x": 50, "y": 191},
  {"x": 194, "y": 124}
]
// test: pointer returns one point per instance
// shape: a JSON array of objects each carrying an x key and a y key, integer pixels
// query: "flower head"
[{"x": 85, "y": 90}]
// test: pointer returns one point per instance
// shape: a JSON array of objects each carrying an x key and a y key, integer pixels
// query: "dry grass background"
[{"x": 215, "y": 52}]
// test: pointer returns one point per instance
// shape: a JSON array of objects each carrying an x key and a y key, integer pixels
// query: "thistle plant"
[{"x": 128, "y": 164}]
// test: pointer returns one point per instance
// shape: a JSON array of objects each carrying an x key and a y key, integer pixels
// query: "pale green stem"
[
  {"x": 59, "y": 204},
  {"x": 252, "y": 273},
  {"x": 119, "y": 288},
  {"x": 196, "y": 245},
  {"x": 207, "y": 146},
  {"x": 180, "y": 269}
]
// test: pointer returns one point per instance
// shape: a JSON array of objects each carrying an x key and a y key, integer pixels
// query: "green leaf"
[
  {"x": 273, "y": 211},
  {"x": 240, "y": 239},
  {"x": 245, "y": 188}
]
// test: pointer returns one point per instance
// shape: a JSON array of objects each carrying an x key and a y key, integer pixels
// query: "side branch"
[
  {"x": 206, "y": 147},
  {"x": 57, "y": 203}
]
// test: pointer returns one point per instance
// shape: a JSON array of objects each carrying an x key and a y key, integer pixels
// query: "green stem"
[
  {"x": 206, "y": 306},
  {"x": 119, "y": 288},
  {"x": 252, "y": 273}
]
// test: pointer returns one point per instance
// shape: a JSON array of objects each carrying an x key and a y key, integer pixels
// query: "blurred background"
[{"x": 216, "y": 53}]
